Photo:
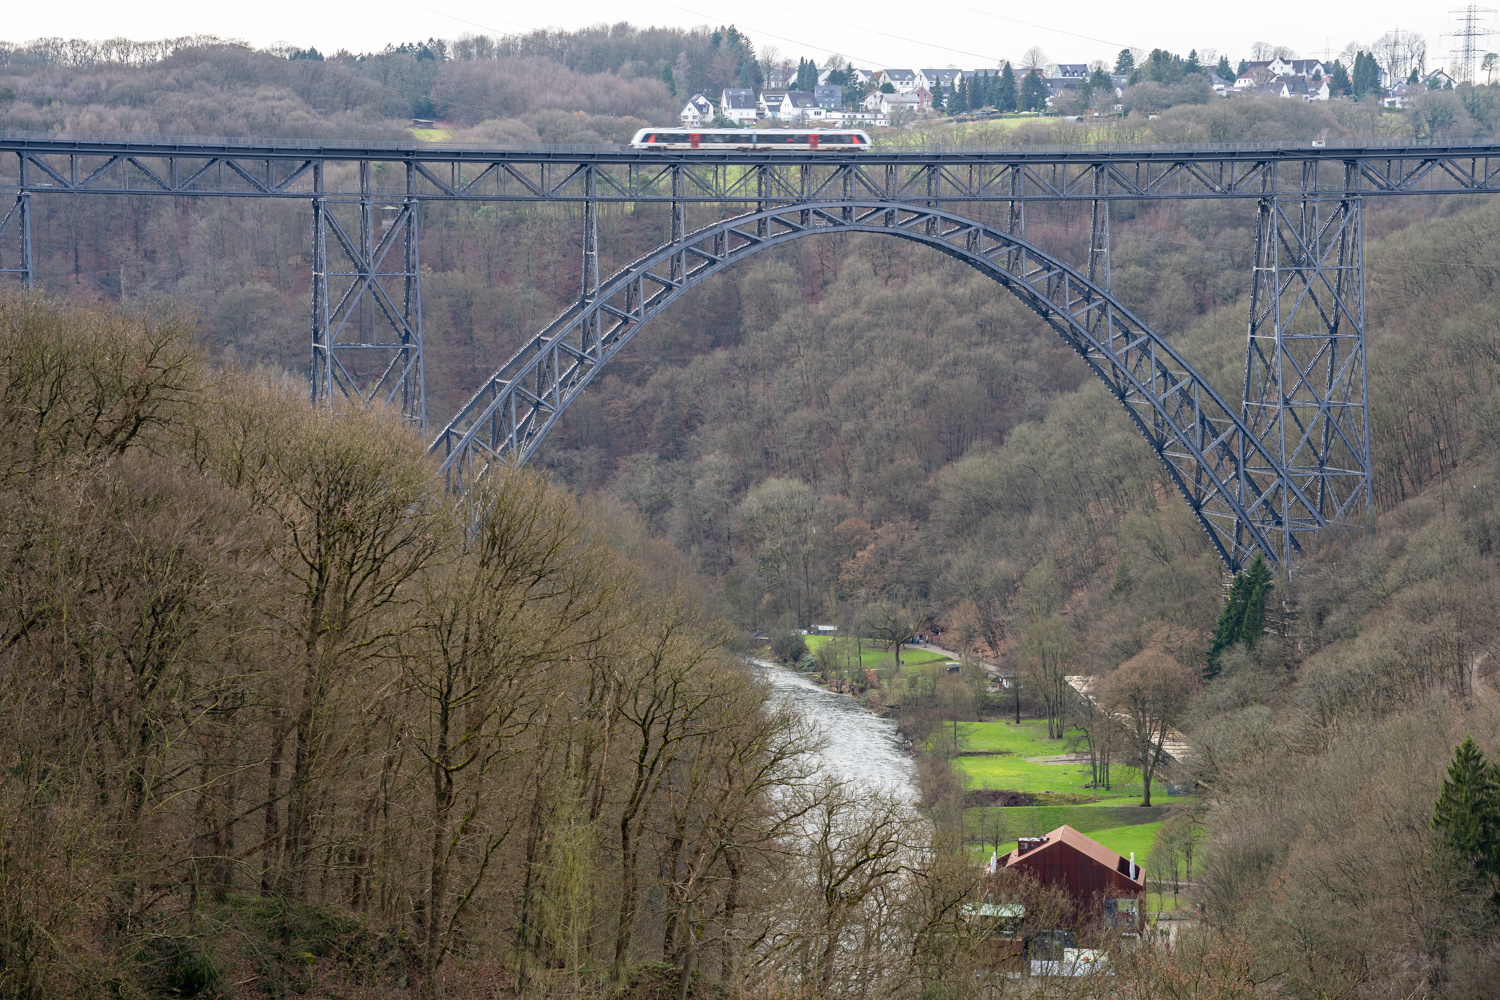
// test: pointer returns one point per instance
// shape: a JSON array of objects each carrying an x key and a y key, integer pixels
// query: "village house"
[
  {"x": 697, "y": 111},
  {"x": 1295, "y": 86},
  {"x": 789, "y": 105},
  {"x": 1107, "y": 890},
  {"x": 1072, "y": 71},
  {"x": 828, "y": 96},
  {"x": 739, "y": 105},
  {"x": 1396, "y": 96},
  {"x": 1439, "y": 80},
  {"x": 884, "y": 104},
  {"x": 1087, "y": 871},
  {"x": 949, "y": 78},
  {"x": 905, "y": 81}
]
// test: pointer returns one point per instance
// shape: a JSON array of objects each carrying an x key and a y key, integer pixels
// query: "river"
[{"x": 858, "y": 747}]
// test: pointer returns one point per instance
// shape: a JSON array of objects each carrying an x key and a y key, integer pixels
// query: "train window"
[
  {"x": 844, "y": 138},
  {"x": 744, "y": 138},
  {"x": 674, "y": 137}
]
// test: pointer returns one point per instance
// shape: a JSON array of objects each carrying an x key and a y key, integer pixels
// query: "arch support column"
[{"x": 1305, "y": 391}]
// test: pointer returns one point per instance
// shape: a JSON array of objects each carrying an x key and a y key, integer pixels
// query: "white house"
[
  {"x": 851, "y": 119},
  {"x": 947, "y": 77},
  {"x": 697, "y": 111},
  {"x": 1439, "y": 80},
  {"x": 1397, "y": 96},
  {"x": 1295, "y": 86},
  {"x": 769, "y": 105},
  {"x": 883, "y": 104},
  {"x": 739, "y": 105},
  {"x": 791, "y": 105},
  {"x": 903, "y": 80},
  {"x": 1073, "y": 71}
]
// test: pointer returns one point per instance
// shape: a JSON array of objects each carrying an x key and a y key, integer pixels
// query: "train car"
[{"x": 841, "y": 140}]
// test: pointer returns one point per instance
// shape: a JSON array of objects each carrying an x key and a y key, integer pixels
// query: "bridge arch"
[{"x": 1232, "y": 482}]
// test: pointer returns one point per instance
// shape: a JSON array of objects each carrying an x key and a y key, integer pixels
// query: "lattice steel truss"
[
  {"x": 15, "y": 240},
  {"x": 1265, "y": 475},
  {"x": 1305, "y": 383},
  {"x": 367, "y": 303},
  {"x": 1220, "y": 466}
]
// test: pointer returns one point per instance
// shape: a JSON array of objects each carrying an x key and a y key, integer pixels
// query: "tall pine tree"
[
  {"x": 1467, "y": 814},
  {"x": 961, "y": 97},
  {"x": 1244, "y": 615},
  {"x": 1005, "y": 90}
]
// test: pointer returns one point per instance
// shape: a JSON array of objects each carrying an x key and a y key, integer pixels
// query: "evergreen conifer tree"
[
  {"x": 668, "y": 79},
  {"x": 1033, "y": 92},
  {"x": 1124, "y": 63},
  {"x": 961, "y": 97},
  {"x": 1005, "y": 90},
  {"x": 1223, "y": 69},
  {"x": 1244, "y": 614},
  {"x": 1467, "y": 813},
  {"x": 1192, "y": 65},
  {"x": 937, "y": 96}
]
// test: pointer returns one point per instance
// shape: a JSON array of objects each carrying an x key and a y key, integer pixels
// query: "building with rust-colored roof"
[{"x": 1085, "y": 869}]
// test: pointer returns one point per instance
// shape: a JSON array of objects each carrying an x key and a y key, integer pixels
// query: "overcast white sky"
[{"x": 872, "y": 33}]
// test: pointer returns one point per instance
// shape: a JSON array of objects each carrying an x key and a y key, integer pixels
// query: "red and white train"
[{"x": 762, "y": 138}]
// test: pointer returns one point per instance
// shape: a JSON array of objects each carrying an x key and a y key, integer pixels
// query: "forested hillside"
[{"x": 248, "y": 649}]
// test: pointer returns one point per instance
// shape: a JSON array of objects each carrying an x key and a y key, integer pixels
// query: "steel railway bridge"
[{"x": 1264, "y": 473}]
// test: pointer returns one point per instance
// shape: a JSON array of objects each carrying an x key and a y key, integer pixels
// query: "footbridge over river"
[{"x": 1263, "y": 473}]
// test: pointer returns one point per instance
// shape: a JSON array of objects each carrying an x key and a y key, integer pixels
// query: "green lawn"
[
  {"x": 1117, "y": 821},
  {"x": 872, "y": 657},
  {"x": 1013, "y": 771}
]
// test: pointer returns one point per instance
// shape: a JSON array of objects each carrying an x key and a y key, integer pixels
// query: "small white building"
[
  {"x": 790, "y": 105},
  {"x": 738, "y": 104},
  {"x": 949, "y": 78},
  {"x": 905, "y": 81},
  {"x": 698, "y": 111},
  {"x": 883, "y": 104},
  {"x": 1439, "y": 80}
]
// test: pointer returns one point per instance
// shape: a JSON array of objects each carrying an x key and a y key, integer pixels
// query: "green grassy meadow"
[
  {"x": 872, "y": 657},
  {"x": 1117, "y": 820}
]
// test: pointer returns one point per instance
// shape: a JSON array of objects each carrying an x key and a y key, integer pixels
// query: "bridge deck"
[{"x": 45, "y": 163}]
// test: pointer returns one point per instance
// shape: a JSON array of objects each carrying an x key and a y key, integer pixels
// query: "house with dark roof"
[
  {"x": 947, "y": 77},
  {"x": 790, "y": 105},
  {"x": 1439, "y": 80},
  {"x": 697, "y": 111},
  {"x": 739, "y": 105},
  {"x": 904, "y": 80},
  {"x": 1087, "y": 871},
  {"x": 1073, "y": 71},
  {"x": 828, "y": 96}
]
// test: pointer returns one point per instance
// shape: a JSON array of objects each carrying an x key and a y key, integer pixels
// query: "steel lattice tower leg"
[
  {"x": 19, "y": 217},
  {"x": 367, "y": 345},
  {"x": 1305, "y": 373}
]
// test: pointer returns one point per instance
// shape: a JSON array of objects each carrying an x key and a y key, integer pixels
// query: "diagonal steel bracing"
[
  {"x": 1305, "y": 394},
  {"x": 1223, "y": 468},
  {"x": 1266, "y": 475},
  {"x": 367, "y": 304}
]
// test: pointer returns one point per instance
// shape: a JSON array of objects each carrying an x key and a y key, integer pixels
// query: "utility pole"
[{"x": 1468, "y": 52}]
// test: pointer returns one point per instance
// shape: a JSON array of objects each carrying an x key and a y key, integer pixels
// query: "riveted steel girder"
[{"x": 265, "y": 168}]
